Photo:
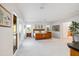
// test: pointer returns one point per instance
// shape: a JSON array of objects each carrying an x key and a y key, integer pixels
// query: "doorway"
[
  {"x": 29, "y": 31},
  {"x": 14, "y": 33},
  {"x": 66, "y": 32}
]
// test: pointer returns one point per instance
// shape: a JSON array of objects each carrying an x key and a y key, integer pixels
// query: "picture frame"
[
  {"x": 56, "y": 28},
  {"x": 5, "y": 17}
]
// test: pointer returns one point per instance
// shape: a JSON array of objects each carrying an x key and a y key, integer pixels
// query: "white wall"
[
  {"x": 6, "y": 41},
  {"x": 64, "y": 25},
  {"x": 21, "y": 32},
  {"x": 6, "y": 34},
  {"x": 65, "y": 29}
]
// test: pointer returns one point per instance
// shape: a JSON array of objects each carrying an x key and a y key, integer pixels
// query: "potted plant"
[{"x": 74, "y": 28}]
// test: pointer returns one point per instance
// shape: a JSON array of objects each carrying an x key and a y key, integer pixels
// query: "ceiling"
[{"x": 33, "y": 12}]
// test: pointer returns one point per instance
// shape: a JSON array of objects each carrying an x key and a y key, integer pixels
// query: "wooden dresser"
[{"x": 40, "y": 36}]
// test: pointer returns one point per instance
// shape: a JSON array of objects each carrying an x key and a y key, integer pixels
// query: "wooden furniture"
[
  {"x": 69, "y": 34},
  {"x": 74, "y": 52},
  {"x": 38, "y": 30},
  {"x": 40, "y": 36},
  {"x": 28, "y": 34},
  {"x": 74, "y": 48}
]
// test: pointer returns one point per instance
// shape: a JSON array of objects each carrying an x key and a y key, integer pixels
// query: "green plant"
[{"x": 74, "y": 27}]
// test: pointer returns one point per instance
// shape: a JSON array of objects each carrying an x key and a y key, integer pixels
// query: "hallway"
[{"x": 52, "y": 47}]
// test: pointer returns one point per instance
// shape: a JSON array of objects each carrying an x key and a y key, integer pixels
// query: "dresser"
[{"x": 41, "y": 36}]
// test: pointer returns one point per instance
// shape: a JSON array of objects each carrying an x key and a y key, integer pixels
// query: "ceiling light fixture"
[{"x": 42, "y": 6}]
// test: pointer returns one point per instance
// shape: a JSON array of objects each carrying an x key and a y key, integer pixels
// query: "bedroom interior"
[{"x": 40, "y": 29}]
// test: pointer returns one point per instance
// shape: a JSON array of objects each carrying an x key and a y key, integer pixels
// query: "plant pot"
[{"x": 76, "y": 38}]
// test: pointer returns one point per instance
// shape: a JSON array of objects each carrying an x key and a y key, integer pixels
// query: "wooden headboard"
[{"x": 38, "y": 29}]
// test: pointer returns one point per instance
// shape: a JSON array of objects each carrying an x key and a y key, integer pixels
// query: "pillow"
[
  {"x": 43, "y": 31},
  {"x": 37, "y": 32}
]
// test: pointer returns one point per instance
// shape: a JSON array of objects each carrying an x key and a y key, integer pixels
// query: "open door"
[{"x": 15, "y": 33}]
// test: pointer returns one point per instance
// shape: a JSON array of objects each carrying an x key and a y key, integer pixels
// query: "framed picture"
[
  {"x": 5, "y": 17},
  {"x": 56, "y": 27}
]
